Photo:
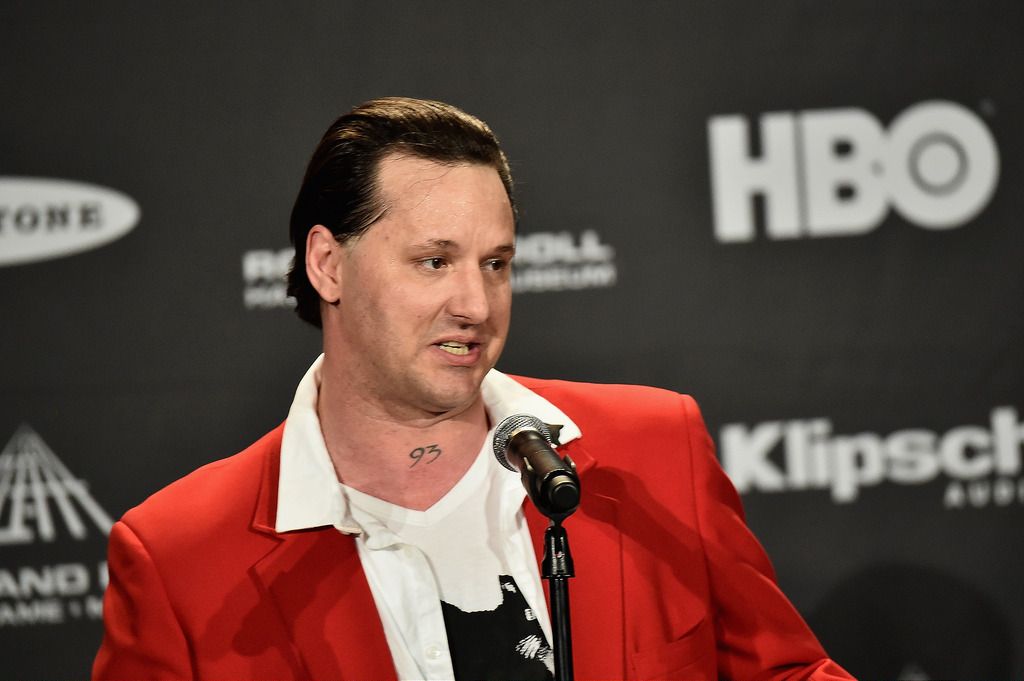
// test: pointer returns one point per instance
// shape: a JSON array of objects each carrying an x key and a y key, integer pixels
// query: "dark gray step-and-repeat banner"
[{"x": 807, "y": 215}]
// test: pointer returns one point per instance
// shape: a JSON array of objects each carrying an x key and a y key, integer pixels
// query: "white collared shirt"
[{"x": 405, "y": 588}]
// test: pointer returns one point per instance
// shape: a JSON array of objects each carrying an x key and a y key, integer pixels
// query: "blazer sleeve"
[
  {"x": 142, "y": 638},
  {"x": 759, "y": 633}
]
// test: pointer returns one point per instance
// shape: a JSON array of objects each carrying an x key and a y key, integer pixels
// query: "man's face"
[{"x": 425, "y": 291}]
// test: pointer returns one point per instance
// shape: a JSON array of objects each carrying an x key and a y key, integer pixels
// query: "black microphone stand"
[
  {"x": 557, "y": 500},
  {"x": 524, "y": 443},
  {"x": 557, "y": 568}
]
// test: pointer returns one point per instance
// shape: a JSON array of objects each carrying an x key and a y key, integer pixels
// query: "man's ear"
[{"x": 323, "y": 256}]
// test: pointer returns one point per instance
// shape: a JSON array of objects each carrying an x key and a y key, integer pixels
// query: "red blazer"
[{"x": 670, "y": 582}]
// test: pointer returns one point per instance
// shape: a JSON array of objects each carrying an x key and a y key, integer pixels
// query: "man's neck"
[{"x": 408, "y": 462}]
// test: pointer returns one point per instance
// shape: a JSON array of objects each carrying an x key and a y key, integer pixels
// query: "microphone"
[{"x": 523, "y": 443}]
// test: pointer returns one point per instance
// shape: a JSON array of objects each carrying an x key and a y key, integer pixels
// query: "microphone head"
[{"x": 508, "y": 429}]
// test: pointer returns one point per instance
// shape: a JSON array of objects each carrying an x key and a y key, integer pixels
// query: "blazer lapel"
[
  {"x": 596, "y": 593},
  {"x": 316, "y": 582}
]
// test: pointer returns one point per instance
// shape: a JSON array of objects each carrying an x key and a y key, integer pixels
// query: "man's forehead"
[
  {"x": 420, "y": 192},
  {"x": 403, "y": 175},
  {"x": 397, "y": 171}
]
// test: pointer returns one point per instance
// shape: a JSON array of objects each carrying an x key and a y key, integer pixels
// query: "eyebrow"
[
  {"x": 449, "y": 245},
  {"x": 443, "y": 244}
]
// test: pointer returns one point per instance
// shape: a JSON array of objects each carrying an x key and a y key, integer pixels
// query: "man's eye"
[
  {"x": 496, "y": 265},
  {"x": 433, "y": 263}
]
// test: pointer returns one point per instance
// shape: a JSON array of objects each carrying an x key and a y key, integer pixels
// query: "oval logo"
[{"x": 42, "y": 219}]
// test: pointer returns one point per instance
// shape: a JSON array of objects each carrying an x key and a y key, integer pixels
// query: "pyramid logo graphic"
[{"x": 37, "y": 491}]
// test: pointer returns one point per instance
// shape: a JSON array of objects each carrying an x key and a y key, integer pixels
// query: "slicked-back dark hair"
[{"x": 340, "y": 189}]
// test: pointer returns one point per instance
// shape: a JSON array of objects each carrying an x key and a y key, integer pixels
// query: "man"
[{"x": 372, "y": 535}]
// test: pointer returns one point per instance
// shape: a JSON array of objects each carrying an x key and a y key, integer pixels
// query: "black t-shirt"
[{"x": 503, "y": 644}]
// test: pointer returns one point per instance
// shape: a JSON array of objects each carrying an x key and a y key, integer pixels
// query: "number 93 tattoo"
[{"x": 419, "y": 453}]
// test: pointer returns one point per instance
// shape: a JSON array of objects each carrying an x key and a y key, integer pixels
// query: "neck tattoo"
[{"x": 422, "y": 453}]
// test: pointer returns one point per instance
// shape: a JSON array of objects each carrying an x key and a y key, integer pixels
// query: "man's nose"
[{"x": 469, "y": 296}]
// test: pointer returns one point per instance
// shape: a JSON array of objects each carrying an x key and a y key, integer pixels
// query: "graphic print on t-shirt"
[{"x": 500, "y": 644}]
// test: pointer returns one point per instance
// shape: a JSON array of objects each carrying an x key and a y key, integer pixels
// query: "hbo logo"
[{"x": 835, "y": 172}]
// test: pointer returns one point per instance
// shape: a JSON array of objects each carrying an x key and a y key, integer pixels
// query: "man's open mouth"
[{"x": 455, "y": 348}]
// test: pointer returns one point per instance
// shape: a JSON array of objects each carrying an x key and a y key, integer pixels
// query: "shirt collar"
[{"x": 308, "y": 491}]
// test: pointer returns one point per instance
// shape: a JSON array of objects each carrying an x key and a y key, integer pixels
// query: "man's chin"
[{"x": 452, "y": 394}]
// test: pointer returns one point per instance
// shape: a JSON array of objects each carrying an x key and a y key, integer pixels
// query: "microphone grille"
[{"x": 508, "y": 428}]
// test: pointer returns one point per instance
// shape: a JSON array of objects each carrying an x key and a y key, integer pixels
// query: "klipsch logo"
[
  {"x": 982, "y": 464},
  {"x": 42, "y": 219},
  {"x": 835, "y": 172},
  {"x": 31, "y": 477}
]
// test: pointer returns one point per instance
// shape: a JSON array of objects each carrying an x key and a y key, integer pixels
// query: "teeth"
[{"x": 455, "y": 348}]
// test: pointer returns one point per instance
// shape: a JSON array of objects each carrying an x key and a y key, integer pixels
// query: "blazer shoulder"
[
  {"x": 647, "y": 419},
  {"x": 220, "y": 491},
  {"x": 619, "y": 401}
]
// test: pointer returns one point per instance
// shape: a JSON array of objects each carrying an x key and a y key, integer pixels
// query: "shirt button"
[{"x": 433, "y": 653}]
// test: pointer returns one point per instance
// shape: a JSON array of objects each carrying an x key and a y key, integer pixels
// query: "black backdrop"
[{"x": 862, "y": 374}]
